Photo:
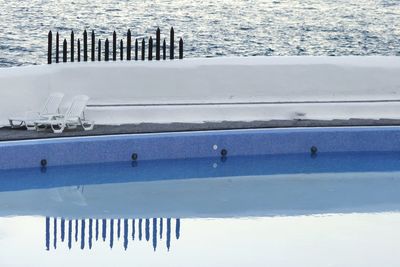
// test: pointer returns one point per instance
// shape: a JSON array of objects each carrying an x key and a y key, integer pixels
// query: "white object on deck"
[
  {"x": 71, "y": 119},
  {"x": 50, "y": 107}
]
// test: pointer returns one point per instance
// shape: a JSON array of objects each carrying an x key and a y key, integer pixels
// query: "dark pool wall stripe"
[{"x": 85, "y": 150}]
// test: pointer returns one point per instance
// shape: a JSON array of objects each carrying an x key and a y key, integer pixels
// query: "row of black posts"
[{"x": 130, "y": 55}]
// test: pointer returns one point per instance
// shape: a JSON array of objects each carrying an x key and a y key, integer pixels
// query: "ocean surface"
[{"x": 209, "y": 28}]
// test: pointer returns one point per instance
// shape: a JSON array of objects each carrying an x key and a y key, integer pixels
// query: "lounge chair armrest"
[{"x": 51, "y": 116}]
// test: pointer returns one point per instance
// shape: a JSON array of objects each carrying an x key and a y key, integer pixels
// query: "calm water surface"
[
  {"x": 340, "y": 209},
  {"x": 209, "y": 28}
]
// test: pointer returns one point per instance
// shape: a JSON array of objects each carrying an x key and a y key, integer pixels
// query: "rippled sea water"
[{"x": 209, "y": 28}]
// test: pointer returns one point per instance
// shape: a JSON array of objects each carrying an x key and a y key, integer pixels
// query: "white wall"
[{"x": 226, "y": 80}]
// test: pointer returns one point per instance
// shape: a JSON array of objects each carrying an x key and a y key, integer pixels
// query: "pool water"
[{"x": 326, "y": 209}]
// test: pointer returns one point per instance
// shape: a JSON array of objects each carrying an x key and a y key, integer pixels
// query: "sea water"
[{"x": 209, "y": 28}]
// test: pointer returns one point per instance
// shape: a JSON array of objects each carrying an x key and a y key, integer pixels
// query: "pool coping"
[{"x": 8, "y": 134}]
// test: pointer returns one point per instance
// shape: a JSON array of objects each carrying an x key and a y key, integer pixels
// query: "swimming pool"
[{"x": 287, "y": 197}]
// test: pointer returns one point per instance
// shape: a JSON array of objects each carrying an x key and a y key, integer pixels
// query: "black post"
[
  {"x": 150, "y": 56},
  {"x": 121, "y": 48},
  {"x": 65, "y": 50},
  {"x": 143, "y": 49},
  {"x": 79, "y": 50},
  {"x": 164, "y": 49},
  {"x": 57, "y": 48},
  {"x": 136, "y": 49},
  {"x": 72, "y": 46},
  {"x": 128, "y": 45},
  {"x": 114, "y": 46},
  {"x": 49, "y": 46},
  {"x": 171, "y": 44},
  {"x": 181, "y": 48},
  {"x": 107, "y": 51},
  {"x": 93, "y": 46},
  {"x": 85, "y": 56},
  {"x": 158, "y": 43},
  {"x": 99, "y": 51}
]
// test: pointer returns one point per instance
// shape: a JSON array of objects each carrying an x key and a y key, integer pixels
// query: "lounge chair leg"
[
  {"x": 30, "y": 127},
  {"x": 89, "y": 123},
  {"x": 60, "y": 129},
  {"x": 40, "y": 128},
  {"x": 14, "y": 125}
]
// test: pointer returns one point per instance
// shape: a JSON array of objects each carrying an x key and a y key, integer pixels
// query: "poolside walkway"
[{"x": 8, "y": 134}]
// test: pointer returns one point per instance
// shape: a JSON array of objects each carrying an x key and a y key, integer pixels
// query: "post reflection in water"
[
  {"x": 119, "y": 228},
  {"x": 125, "y": 234},
  {"x": 147, "y": 229},
  {"x": 62, "y": 229},
  {"x": 111, "y": 233},
  {"x": 83, "y": 234},
  {"x": 168, "y": 233},
  {"x": 151, "y": 227},
  {"x": 140, "y": 229},
  {"x": 177, "y": 228},
  {"x": 97, "y": 229},
  {"x": 90, "y": 232},
  {"x": 103, "y": 232},
  {"x": 154, "y": 234},
  {"x": 76, "y": 230},
  {"x": 55, "y": 233},
  {"x": 133, "y": 229},
  {"x": 69, "y": 233},
  {"x": 47, "y": 233},
  {"x": 161, "y": 227}
]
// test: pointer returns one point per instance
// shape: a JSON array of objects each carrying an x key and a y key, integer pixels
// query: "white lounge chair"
[
  {"x": 50, "y": 108},
  {"x": 71, "y": 119}
]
